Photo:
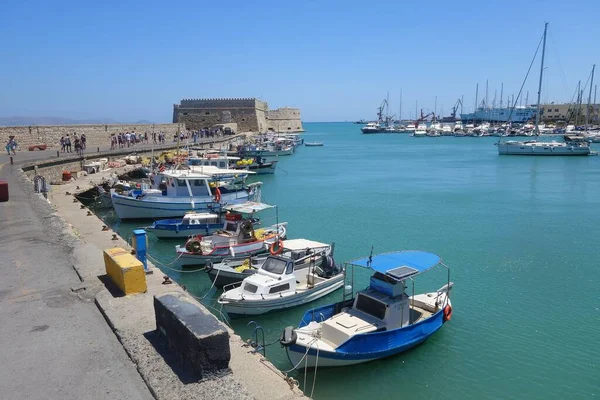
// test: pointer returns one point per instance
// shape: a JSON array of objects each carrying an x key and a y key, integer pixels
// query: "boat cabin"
[
  {"x": 200, "y": 219},
  {"x": 213, "y": 159}
]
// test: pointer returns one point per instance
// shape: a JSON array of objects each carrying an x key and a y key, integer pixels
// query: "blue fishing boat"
[
  {"x": 381, "y": 321},
  {"x": 203, "y": 224}
]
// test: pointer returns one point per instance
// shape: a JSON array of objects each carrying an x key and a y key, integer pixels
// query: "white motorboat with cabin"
[
  {"x": 280, "y": 283},
  {"x": 301, "y": 251}
]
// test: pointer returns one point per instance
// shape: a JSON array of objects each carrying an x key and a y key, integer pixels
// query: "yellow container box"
[{"x": 126, "y": 271}]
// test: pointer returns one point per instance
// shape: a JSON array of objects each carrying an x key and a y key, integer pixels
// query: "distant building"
[
  {"x": 571, "y": 113},
  {"x": 249, "y": 114}
]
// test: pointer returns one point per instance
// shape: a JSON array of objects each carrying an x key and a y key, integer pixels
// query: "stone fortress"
[
  {"x": 248, "y": 115},
  {"x": 242, "y": 115}
]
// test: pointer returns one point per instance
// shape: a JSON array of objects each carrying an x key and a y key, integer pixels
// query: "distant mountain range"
[{"x": 27, "y": 121}]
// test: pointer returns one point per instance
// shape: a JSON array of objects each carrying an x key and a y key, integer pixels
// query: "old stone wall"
[
  {"x": 96, "y": 135},
  {"x": 284, "y": 120},
  {"x": 249, "y": 114}
]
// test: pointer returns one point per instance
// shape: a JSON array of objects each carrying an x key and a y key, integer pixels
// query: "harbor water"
[{"x": 519, "y": 234}]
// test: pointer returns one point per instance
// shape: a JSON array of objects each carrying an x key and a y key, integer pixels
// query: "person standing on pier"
[
  {"x": 68, "y": 144},
  {"x": 83, "y": 141},
  {"x": 62, "y": 144},
  {"x": 77, "y": 145}
]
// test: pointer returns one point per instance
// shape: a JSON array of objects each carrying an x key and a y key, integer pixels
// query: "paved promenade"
[{"x": 54, "y": 343}]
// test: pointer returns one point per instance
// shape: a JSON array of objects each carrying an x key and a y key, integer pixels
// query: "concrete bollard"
[
  {"x": 57, "y": 153},
  {"x": 11, "y": 160},
  {"x": 140, "y": 245},
  {"x": 199, "y": 340},
  {"x": 98, "y": 149}
]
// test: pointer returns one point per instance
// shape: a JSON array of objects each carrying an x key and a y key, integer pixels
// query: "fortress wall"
[
  {"x": 96, "y": 135},
  {"x": 284, "y": 120}
]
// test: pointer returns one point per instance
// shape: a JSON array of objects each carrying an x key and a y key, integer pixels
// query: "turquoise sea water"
[{"x": 520, "y": 234}]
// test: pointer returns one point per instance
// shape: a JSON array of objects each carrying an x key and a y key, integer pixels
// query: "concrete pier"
[{"x": 131, "y": 318}]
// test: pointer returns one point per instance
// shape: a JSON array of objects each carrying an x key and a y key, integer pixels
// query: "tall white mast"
[
  {"x": 587, "y": 110},
  {"x": 537, "y": 113}
]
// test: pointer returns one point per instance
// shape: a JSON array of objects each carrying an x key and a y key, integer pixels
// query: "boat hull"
[
  {"x": 182, "y": 231},
  {"x": 222, "y": 277},
  {"x": 256, "y": 307},
  {"x": 540, "y": 150},
  {"x": 152, "y": 207},
  {"x": 367, "y": 347}
]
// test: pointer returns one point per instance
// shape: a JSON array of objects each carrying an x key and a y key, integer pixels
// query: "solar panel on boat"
[{"x": 402, "y": 272}]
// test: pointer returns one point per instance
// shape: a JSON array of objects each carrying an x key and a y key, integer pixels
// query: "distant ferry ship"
[{"x": 519, "y": 114}]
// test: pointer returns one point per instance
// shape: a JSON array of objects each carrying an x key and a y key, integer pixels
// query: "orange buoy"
[{"x": 447, "y": 313}]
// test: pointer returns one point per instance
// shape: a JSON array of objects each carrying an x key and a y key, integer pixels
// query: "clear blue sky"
[{"x": 131, "y": 60}]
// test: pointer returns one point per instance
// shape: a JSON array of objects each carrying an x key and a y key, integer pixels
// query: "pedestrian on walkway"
[
  {"x": 68, "y": 144},
  {"x": 77, "y": 145},
  {"x": 83, "y": 141},
  {"x": 9, "y": 145},
  {"x": 62, "y": 144}
]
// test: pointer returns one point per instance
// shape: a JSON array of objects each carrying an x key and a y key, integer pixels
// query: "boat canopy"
[
  {"x": 302, "y": 244},
  {"x": 211, "y": 170},
  {"x": 400, "y": 265},
  {"x": 249, "y": 207}
]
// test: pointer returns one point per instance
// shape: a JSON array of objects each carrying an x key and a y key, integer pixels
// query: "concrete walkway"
[{"x": 54, "y": 343}]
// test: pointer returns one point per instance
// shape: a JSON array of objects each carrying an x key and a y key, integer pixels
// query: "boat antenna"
[
  {"x": 537, "y": 114},
  {"x": 370, "y": 258}
]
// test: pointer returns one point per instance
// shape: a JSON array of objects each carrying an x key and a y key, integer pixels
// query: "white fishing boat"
[
  {"x": 237, "y": 239},
  {"x": 313, "y": 144},
  {"x": 383, "y": 320},
  {"x": 181, "y": 192},
  {"x": 535, "y": 148},
  {"x": 280, "y": 284},
  {"x": 410, "y": 128},
  {"x": 301, "y": 251}
]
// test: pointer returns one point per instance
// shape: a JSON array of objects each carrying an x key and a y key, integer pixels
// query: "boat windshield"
[
  {"x": 274, "y": 265},
  {"x": 370, "y": 306}
]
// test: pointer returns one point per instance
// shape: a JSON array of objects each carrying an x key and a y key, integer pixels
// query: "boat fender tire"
[
  {"x": 276, "y": 248},
  {"x": 247, "y": 227},
  {"x": 208, "y": 267},
  {"x": 193, "y": 246},
  {"x": 288, "y": 336},
  {"x": 447, "y": 313}
]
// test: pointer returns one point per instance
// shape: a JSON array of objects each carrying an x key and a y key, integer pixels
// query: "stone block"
[
  {"x": 199, "y": 340},
  {"x": 125, "y": 271}
]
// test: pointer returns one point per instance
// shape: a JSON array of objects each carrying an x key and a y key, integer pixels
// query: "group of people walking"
[
  {"x": 78, "y": 141},
  {"x": 127, "y": 139}
]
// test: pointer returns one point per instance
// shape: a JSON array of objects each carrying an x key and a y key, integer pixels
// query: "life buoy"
[
  {"x": 217, "y": 195},
  {"x": 447, "y": 313},
  {"x": 276, "y": 248}
]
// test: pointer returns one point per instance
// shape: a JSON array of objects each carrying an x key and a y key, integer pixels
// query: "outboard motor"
[{"x": 288, "y": 336}]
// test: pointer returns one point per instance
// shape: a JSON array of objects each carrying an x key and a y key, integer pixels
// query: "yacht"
[
  {"x": 420, "y": 131},
  {"x": 372, "y": 127}
]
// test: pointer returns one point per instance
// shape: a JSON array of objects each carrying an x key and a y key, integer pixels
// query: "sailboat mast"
[
  {"x": 400, "y": 115},
  {"x": 587, "y": 110},
  {"x": 476, "y": 98},
  {"x": 501, "y": 93},
  {"x": 537, "y": 113}
]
